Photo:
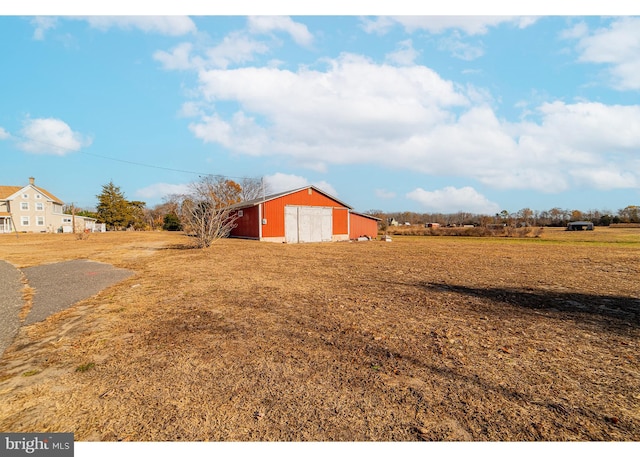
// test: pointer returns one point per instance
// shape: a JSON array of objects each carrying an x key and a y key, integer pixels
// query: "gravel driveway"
[
  {"x": 10, "y": 303},
  {"x": 57, "y": 286}
]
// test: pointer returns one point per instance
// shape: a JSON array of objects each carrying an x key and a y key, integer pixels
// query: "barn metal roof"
[
  {"x": 366, "y": 215},
  {"x": 267, "y": 198}
]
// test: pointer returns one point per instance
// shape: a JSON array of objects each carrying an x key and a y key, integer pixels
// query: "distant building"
[
  {"x": 33, "y": 209},
  {"x": 580, "y": 225}
]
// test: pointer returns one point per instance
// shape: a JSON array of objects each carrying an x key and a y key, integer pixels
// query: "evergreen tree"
[
  {"x": 171, "y": 222},
  {"x": 113, "y": 208}
]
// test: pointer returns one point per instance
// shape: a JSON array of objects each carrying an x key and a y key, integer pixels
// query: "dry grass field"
[{"x": 423, "y": 338}]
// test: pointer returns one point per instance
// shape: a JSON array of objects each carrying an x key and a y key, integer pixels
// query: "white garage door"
[{"x": 307, "y": 224}]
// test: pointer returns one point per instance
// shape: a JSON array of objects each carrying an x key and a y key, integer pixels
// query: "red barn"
[{"x": 298, "y": 216}]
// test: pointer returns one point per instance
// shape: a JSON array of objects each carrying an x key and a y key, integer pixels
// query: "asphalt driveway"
[
  {"x": 10, "y": 303},
  {"x": 57, "y": 286}
]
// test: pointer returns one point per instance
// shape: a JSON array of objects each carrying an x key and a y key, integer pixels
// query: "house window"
[
  {"x": 25, "y": 196},
  {"x": 66, "y": 220},
  {"x": 24, "y": 206},
  {"x": 40, "y": 220},
  {"x": 24, "y": 220},
  {"x": 38, "y": 196},
  {"x": 40, "y": 206},
  {"x": 240, "y": 213}
]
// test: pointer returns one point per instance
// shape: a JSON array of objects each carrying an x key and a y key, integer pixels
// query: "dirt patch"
[{"x": 419, "y": 339}]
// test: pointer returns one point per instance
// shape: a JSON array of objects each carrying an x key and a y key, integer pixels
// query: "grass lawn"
[{"x": 423, "y": 338}]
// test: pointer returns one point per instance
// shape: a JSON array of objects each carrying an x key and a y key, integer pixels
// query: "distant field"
[
  {"x": 423, "y": 338},
  {"x": 600, "y": 234}
]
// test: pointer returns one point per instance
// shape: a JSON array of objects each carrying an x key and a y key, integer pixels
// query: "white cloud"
[
  {"x": 456, "y": 28},
  {"x": 4, "y": 134},
  {"x": 408, "y": 117},
  {"x": 459, "y": 48},
  {"x": 404, "y": 55},
  {"x": 51, "y": 136},
  {"x": 161, "y": 189},
  {"x": 179, "y": 58},
  {"x": 383, "y": 193},
  {"x": 579, "y": 30},
  {"x": 241, "y": 133},
  {"x": 235, "y": 48},
  {"x": 470, "y": 25},
  {"x": 267, "y": 24},
  {"x": 607, "y": 178},
  {"x": 164, "y": 25},
  {"x": 328, "y": 188},
  {"x": 379, "y": 25},
  {"x": 238, "y": 47},
  {"x": 191, "y": 109},
  {"x": 591, "y": 127},
  {"x": 282, "y": 182},
  {"x": 42, "y": 24},
  {"x": 314, "y": 114},
  {"x": 451, "y": 200},
  {"x": 617, "y": 46}
]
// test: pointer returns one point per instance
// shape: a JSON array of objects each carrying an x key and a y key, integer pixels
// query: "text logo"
[{"x": 37, "y": 444}]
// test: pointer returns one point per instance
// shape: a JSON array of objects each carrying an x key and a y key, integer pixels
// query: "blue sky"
[{"x": 400, "y": 113}]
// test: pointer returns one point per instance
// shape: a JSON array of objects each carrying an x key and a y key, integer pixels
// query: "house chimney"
[{"x": 32, "y": 180}]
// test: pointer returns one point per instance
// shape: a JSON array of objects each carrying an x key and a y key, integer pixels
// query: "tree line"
[
  {"x": 554, "y": 217},
  {"x": 203, "y": 210}
]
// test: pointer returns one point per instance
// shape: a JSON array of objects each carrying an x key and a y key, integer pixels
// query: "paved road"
[
  {"x": 10, "y": 303},
  {"x": 57, "y": 286}
]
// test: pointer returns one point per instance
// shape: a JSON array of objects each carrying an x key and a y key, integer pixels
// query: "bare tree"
[
  {"x": 205, "y": 210},
  {"x": 253, "y": 188}
]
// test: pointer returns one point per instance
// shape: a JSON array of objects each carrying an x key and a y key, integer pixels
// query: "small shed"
[
  {"x": 302, "y": 215},
  {"x": 580, "y": 225},
  {"x": 361, "y": 225}
]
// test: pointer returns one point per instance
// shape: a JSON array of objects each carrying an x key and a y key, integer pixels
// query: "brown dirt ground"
[{"x": 423, "y": 338}]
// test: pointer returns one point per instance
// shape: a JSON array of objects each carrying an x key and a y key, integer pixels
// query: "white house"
[{"x": 34, "y": 209}]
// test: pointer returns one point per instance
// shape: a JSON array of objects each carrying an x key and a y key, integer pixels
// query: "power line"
[
  {"x": 145, "y": 164},
  {"x": 130, "y": 162}
]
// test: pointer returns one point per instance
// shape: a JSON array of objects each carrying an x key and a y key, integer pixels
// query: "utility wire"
[{"x": 130, "y": 162}]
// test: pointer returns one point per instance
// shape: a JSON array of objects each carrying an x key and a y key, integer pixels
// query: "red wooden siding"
[
  {"x": 362, "y": 226},
  {"x": 249, "y": 224},
  {"x": 274, "y": 211},
  {"x": 340, "y": 221}
]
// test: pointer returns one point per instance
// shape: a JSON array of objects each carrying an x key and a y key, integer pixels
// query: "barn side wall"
[
  {"x": 248, "y": 226},
  {"x": 362, "y": 226}
]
